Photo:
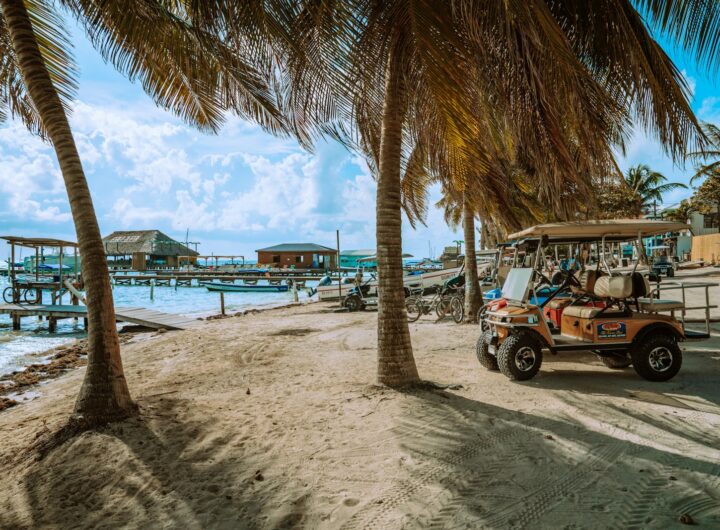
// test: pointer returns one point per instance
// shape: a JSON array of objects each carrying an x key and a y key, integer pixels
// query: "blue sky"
[{"x": 237, "y": 191}]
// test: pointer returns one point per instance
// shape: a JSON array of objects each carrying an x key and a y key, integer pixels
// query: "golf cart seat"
[
  {"x": 654, "y": 305},
  {"x": 616, "y": 287},
  {"x": 587, "y": 279},
  {"x": 580, "y": 311}
]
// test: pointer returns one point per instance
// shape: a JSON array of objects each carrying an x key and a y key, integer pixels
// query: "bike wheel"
[
  {"x": 457, "y": 309},
  {"x": 8, "y": 295},
  {"x": 30, "y": 296},
  {"x": 414, "y": 309},
  {"x": 442, "y": 308}
]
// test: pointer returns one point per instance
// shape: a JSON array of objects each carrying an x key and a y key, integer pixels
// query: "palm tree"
[
  {"x": 683, "y": 212},
  {"x": 459, "y": 209},
  {"x": 712, "y": 152},
  {"x": 183, "y": 69},
  {"x": 649, "y": 186},
  {"x": 416, "y": 83}
]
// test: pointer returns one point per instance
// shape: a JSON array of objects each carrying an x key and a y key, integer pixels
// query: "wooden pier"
[
  {"x": 134, "y": 315},
  {"x": 186, "y": 280}
]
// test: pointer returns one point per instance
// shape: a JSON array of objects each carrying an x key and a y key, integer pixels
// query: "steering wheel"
[
  {"x": 543, "y": 280},
  {"x": 565, "y": 277}
]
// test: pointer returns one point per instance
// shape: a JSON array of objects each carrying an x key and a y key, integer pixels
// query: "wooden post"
[
  {"x": 15, "y": 321},
  {"x": 52, "y": 324},
  {"x": 12, "y": 275},
  {"x": 295, "y": 291},
  {"x": 337, "y": 266},
  {"x": 222, "y": 303},
  {"x": 60, "y": 271}
]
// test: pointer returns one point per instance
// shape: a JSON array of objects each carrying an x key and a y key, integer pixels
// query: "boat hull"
[{"x": 231, "y": 288}]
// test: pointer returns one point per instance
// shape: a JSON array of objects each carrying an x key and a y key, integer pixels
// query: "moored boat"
[{"x": 246, "y": 288}]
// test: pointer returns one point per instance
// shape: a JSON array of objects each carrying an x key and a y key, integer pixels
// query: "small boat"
[{"x": 237, "y": 288}]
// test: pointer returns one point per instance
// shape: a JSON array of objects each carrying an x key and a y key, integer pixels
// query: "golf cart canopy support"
[{"x": 610, "y": 229}]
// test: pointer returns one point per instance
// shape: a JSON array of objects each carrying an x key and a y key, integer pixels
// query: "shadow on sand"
[
  {"x": 155, "y": 471},
  {"x": 477, "y": 465}
]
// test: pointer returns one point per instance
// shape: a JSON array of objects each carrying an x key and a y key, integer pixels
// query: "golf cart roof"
[{"x": 611, "y": 229}]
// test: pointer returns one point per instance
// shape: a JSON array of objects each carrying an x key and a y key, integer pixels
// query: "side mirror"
[{"x": 654, "y": 277}]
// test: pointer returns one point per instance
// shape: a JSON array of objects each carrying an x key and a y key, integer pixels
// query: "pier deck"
[{"x": 134, "y": 315}]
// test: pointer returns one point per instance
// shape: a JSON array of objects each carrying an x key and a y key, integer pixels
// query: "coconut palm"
[
  {"x": 415, "y": 85},
  {"x": 586, "y": 57},
  {"x": 712, "y": 152},
  {"x": 683, "y": 212},
  {"x": 183, "y": 69},
  {"x": 649, "y": 186}
]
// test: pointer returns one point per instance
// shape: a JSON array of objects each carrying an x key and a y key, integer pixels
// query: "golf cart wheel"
[
  {"x": 413, "y": 308},
  {"x": 657, "y": 358},
  {"x": 616, "y": 363},
  {"x": 520, "y": 356},
  {"x": 487, "y": 359},
  {"x": 8, "y": 295},
  {"x": 670, "y": 273},
  {"x": 353, "y": 303},
  {"x": 457, "y": 310}
]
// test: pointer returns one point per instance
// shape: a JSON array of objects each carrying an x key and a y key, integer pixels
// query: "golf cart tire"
[
  {"x": 657, "y": 358},
  {"x": 515, "y": 351},
  {"x": 670, "y": 273},
  {"x": 353, "y": 303},
  {"x": 487, "y": 359},
  {"x": 615, "y": 363}
]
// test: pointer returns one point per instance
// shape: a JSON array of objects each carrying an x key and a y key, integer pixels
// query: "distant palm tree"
[
  {"x": 683, "y": 212},
  {"x": 649, "y": 186},
  {"x": 712, "y": 152},
  {"x": 183, "y": 69}
]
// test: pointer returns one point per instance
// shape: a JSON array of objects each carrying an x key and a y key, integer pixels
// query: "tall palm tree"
[
  {"x": 183, "y": 69},
  {"x": 649, "y": 186},
  {"x": 683, "y": 212},
  {"x": 586, "y": 57},
  {"x": 459, "y": 208},
  {"x": 406, "y": 80},
  {"x": 712, "y": 168}
]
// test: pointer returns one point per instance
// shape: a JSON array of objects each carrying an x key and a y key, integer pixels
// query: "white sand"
[{"x": 579, "y": 446}]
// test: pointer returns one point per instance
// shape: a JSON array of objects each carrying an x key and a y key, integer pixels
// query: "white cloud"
[{"x": 710, "y": 109}]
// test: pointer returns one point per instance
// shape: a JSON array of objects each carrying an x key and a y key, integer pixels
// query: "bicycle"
[
  {"x": 16, "y": 295},
  {"x": 441, "y": 303}
]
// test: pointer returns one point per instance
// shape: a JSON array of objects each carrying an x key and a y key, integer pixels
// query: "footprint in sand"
[{"x": 351, "y": 502}]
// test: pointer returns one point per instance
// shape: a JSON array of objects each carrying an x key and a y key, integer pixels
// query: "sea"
[{"x": 20, "y": 348}]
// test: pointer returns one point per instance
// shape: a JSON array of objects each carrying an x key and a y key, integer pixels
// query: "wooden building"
[
  {"x": 144, "y": 249},
  {"x": 298, "y": 255}
]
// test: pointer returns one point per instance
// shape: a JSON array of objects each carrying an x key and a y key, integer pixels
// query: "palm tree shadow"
[
  {"x": 484, "y": 466},
  {"x": 158, "y": 470}
]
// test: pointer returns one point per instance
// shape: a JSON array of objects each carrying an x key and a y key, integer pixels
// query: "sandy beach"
[{"x": 270, "y": 420}]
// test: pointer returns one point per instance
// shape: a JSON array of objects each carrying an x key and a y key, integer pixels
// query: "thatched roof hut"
[{"x": 144, "y": 245}]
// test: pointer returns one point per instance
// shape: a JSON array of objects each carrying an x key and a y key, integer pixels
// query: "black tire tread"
[
  {"x": 641, "y": 351},
  {"x": 487, "y": 359},
  {"x": 506, "y": 354}
]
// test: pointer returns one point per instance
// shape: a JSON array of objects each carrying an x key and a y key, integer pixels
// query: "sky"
[{"x": 236, "y": 191}]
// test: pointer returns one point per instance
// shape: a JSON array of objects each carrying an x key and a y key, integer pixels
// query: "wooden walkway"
[{"x": 134, "y": 315}]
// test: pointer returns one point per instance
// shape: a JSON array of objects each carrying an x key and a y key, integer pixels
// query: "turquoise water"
[{"x": 19, "y": 348}]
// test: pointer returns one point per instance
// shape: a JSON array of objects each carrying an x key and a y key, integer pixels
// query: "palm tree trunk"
[
  {"x": 104, "y": 395},
  {"x": 396, "y": 364},
  {"x": 473, "y": 295}
]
